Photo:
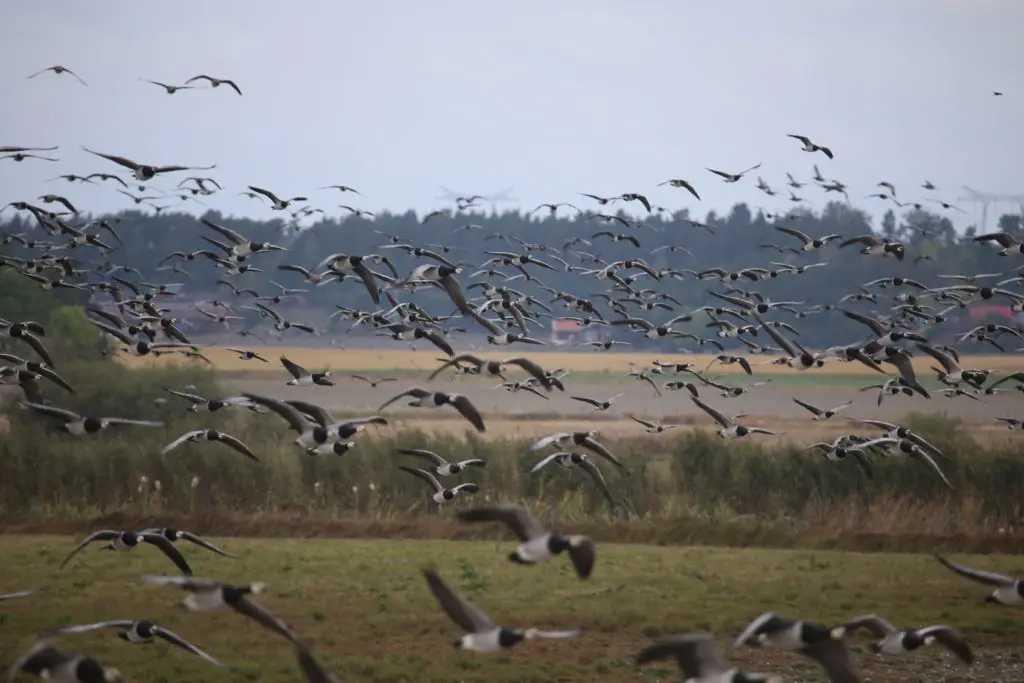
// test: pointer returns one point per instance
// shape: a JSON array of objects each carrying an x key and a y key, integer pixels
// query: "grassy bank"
[{"x": 366, "y": 610}]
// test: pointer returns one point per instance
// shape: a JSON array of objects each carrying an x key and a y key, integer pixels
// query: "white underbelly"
[
  {"x": 203, "y": 601},
  {"x": 482, "y": 642},
  {"x": 534, "y": 550}
]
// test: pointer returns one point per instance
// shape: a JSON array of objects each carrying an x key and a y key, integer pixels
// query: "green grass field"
[{"x": 365, "y": 608}]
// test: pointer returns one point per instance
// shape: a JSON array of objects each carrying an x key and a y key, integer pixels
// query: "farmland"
[
  {"x": 586, "y": 362},
  {"x": 601, "y": 375},
  {"x": 340, "y": 541},
  {"x": 682, "y": 486},
  {"x": 365, "y": 608}
]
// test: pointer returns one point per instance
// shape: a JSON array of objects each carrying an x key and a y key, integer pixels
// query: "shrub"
[{"x": 672, "y": 477}]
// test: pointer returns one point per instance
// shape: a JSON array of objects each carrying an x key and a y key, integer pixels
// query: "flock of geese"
[{"x": 70, "y": 256}]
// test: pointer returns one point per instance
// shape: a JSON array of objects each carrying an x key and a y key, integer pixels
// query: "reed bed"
[{"x": 677, "y": 478}]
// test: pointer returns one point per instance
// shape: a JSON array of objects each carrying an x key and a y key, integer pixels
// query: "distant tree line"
[{"x": 734, "y": 241}]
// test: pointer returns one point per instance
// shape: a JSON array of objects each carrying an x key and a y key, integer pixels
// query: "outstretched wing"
[
  {"x": 174, "y": 639},
  {"x": 989, "y": 578},
  {"x": 169, "y": 549},
  {"x": 515, "y": 517},
  {"x": 104, "y": 535},
  {"x": 460, "y": 610},
  {"x": 191, "y": 537}
]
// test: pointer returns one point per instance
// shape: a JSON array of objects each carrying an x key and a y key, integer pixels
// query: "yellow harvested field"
[{"x": 386, "y": 360}]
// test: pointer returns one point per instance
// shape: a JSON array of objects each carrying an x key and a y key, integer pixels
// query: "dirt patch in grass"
[{"x": 365, "y": 609}]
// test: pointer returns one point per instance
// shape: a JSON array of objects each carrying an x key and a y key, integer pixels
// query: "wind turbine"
[
  {"x": 494, "y": 198},
  {"x": 985, "y": 199}
]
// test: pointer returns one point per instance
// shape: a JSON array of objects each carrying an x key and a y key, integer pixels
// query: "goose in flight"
[
  {"x": 653, "y": 427},
  {"x": 301, "y": 377},
  {"x": 820, "y": 414},
  {"x": 124, "y": 541},
  {"x": 206, "y": 595},
  {"x": 280, "y": 324},
  {"x": 442, "y": 467},
  {"x": 810, "y": 146},
  {"x": 169, "y": 89},
  {"x": 734, "y": 177},
  {"x": 79, "y": 425},
  {"x": 411, "y": 333},
  {"x": 341, "y": 188},
  {"x": 245, "y": 354},
  {"x": 277, "y": 204},
  {"x": 700, "y": 660},
  {"x": 243, "y": 246},
  {"x": 952, "y": 373},
  {"x": 481, "y": 633},
  {"x": 173, "y": 535},
  {"x": 1008, "y": 242},
  {"x": 894, "y": 641},
  {"x": 1008, "y": 590},
  {"x": 571, "y": 459},
  {"x": 61, "y": 666},
  {"x": 39, "y": 368},
  {"x": 567, "y": 440},
  {"x": 602, "y": 201},
  {"x": 423, "y": 398},
  {"x": 199, "y": 435},
  {"x": 875, "y": 246},
  {"x": 810, "y": 243},
  {"x": 21, "y": 156},
  {"x": 28, "y": 332},
  {"x": 442, "y": 274},
  {"x": 143, "y": 631},
  {"x": 680, "y": 183},
  {"x": 598, "y": 405},
  {"x": 536, "y": 543},
  {"x": 847, "y": 445},
  {"x": 341, "y": 263},
  {"x": 895, "y": 446},
  {"x": 896, "y": 431},
  {"x": 312, "y": 436},
  {"x": 797, "y": 356},
  {"x": 211, "y": 405},
  {"x": 730, "y": 428},
  {"x": 374, "y": 382},
  {"x": 441, "y": 493},
  {"x": 496, "y": 368},
  {"x": 499, "y": 337},
  {"x": 652, "y": 331},
  {"x": 336, "y": 430},
  {"x": 144, "y": 172},
  {"x": 215, "y": 82},
  {"x": 58, "y": 69},
  {"x": 811, "y": 640}
]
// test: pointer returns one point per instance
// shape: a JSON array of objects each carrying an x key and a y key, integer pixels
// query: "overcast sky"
[{"x": 549, "y": 98}]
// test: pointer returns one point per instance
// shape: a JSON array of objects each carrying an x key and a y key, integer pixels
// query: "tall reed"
[{"x": 687, "y": 475}]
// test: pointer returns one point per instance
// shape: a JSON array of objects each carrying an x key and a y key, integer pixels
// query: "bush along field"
[{"x": 677, "y": 487}]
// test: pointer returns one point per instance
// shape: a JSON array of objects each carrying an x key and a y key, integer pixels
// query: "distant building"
[
  {"x": 565, "y": 332},
  {"x": 978, "y": 314}
]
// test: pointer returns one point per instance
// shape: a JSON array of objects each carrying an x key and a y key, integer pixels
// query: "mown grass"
[
  {"x": 683, "y": 486},
  {"x": 365, "y": 609}
]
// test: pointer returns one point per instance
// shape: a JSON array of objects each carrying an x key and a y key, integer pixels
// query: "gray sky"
[{"x": 399, "y": 97}]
